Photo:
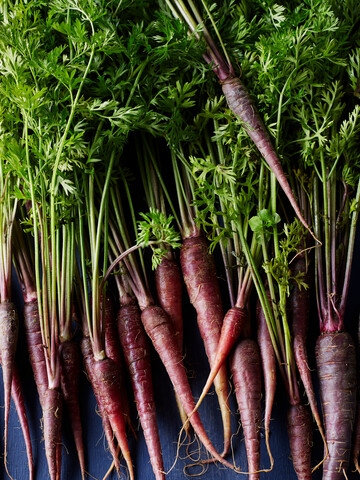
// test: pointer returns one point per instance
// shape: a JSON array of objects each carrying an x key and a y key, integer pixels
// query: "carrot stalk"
[
  {"x": 336, "y": 365},
  {"x": 137, "y": 356}
]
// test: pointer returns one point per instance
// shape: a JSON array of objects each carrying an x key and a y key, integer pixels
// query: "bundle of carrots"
[{"x": 143, "y": 184}]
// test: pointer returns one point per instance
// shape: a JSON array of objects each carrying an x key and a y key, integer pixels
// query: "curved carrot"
[
  {"x": 70, "y": 374},
  {"x": 9, "y": 329},
  {"x": 299, "y": 425},
  {"x": 245, "y": 367},
  {"x": 137, "y": 356},
  {"x": 199, "y": 272},
  {"x": 161, "y": 332},
  {"x": 336, "y": 365}
]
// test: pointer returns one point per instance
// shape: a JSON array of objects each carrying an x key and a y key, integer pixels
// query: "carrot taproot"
[
  {"x": 336, "y": 366},
  {"x": 107, "y": 382},
  {"x": 9, "y": 329},
  {"x": 199, "y": 273},
  {"x": 245, "y": 367},
  {"x": 52, "y": 415},
  {"x": 299, "y": 425},
  {"x": 136, "y": 350},
  {"x": 88, "y": 359},
  {"x": 69, "y": 380},
  {"x": 161, "y": 332},
  {"x": 356, "y": 434},
  {"x": 268, "y": 362},
  {"x": 169, "y": 293}
]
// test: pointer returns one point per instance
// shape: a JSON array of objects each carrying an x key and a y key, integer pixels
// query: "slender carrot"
[
  {"x": 137, "y": 355},
  {"x": 336, "y": 365},
  {"x": 9, "y": 328},
  {"x": 199, "y": 272},
  {"x": 299, "y": 425},
  {"x": 70, "y": 374},
  {"x": 245, "y": 367},
  {"x": 52, "y": 413}
]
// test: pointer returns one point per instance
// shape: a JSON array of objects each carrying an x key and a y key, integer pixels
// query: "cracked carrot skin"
[{"x": 336, "y": 366}]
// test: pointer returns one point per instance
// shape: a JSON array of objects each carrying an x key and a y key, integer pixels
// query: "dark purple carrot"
[
  {"x": 199, "y": 272},
  {"x": 88, "y": 359},
  {"x": 299, "y": 424},
  {"x": 70, "y": 361},
  {"x": 52, "y": 415},
  {"x": 35, "y": 347},
  {"x": 299, "y": 303},
  {"x": 9, "y": 329},
  {"x": 136, "y": 350},
  {"x": 356, "y": 435},
  {"x": 161, "y": 332},
  {"x": 336, "y": 366},
  {"x": 168, "y": 283},
  {"x": 245, "y": 367},
  {"x": 268, "y": 361},
  {"x": 108, "y": 385}
]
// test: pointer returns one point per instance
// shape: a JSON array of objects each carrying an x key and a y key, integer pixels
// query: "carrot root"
[
  {"x": 52, "y": 415},
  {"x": 299, "y": 425}
]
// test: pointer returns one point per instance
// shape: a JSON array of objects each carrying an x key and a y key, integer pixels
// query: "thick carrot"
[
  {"x": 161, "y": 332},
  {"x": 107, "y": 383},
  {"x": 52, "y": 415},
  {"x": 70, "y": 374},
  {"x": 299, "y": 424},
  {"x": 35, "y": 347},
  {"x": 245, "y": 367},
  {"x": 241, "y": 104},
  {"x": 356, "y": 435},
  {"x": 268, "y": 361},
  {"x": 299, "y": 303},
  {"x": 199, "y": 272},
  {"x": 168, "y": 283},
  {"x": 88, "y": 359},
  {"x": 137, "y": 356},
  {"x": 336, "y": 366},
  {"x": 9, "y": 328}
]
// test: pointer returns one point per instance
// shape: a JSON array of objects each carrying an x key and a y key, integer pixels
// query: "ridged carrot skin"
[
  {"x": 336, "y": 366},
  {"x": 70, "y": 361},
  {"x": 9, "y": 330},
  {"x": 52, "y": 417},
  {"x": 245, "y": 367},
  {"x": 241, "y": 104},
  {"x": 199, "y": 273},
  {"x": 88, "y": 359},
  {"x": 35, "y": 347},
  {"x": 161, "y": 332},
  {"x": 299, "y": 424},
  {"x": 136, "y": 348}
]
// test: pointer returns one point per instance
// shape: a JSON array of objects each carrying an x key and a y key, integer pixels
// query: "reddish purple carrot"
[
  {"x": 136, "y": 350},
  {"x": 299, "y": 424},
  {"x": 161, "y": 332},
  {"x": 70, "y": 374},
  {"x": 336, "y": 365},
  {"x": 356, "y": 436},
  {"x": 246, "y": 373},
  {"x": 9, "y": 328},
  {"x": 88, "y": 359},
  {"x": 199, "y": 272},
  {"x": 52, "y": 415},
  {"x": 268, "y": 361}
]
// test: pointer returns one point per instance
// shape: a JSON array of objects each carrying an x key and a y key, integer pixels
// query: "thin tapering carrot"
[
  {"x": 136, "y": 350},
  {"x": 336, "y": 366},
  {"x": 161, "y": 332},
  {"x": 299, "y": 426},
  {"x": 268, "y": 361},
  {"x": 9, "y": 329},
  {"x": 246, "y": 374},
  {"x": 52, "y": 415},
  {"x": 199, "y": 272},
  {"x": 88, "y": 359},
  {"x": 70, "y": 375}
]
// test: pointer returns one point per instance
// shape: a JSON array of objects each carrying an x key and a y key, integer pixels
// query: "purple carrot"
[
  {"x": 52, "y": 414},
  {"x": 246, "y": 373},
  {"x": 70, "y": 361},
  {"x": 356, "y": 435},
  {"x": 136, "y": 350},
  {"x": 299, "y": 425},
  {"x": 336, "y": 366}
]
